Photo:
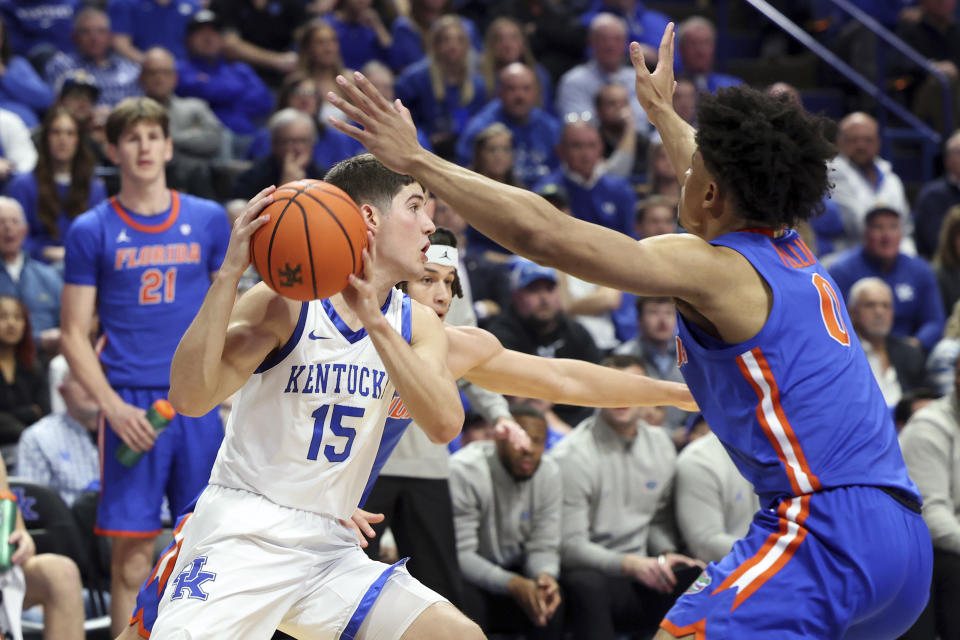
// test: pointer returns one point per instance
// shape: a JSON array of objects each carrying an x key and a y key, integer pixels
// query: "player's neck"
[
  {"x": 147, "y": 199},
  {"x": 346, "y": 313}
]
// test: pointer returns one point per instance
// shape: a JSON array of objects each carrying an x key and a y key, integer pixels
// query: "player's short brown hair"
[{"x": 135, "y": 110}]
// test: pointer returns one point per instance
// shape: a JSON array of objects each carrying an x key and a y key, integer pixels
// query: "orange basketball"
[{"x": 313, "y": 242}]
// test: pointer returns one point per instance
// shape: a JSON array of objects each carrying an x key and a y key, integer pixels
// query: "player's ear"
[
  {"x": 168, "y": 152},
  {"x": 112, "y": 154},
  {"x": 371, "y": 215}
]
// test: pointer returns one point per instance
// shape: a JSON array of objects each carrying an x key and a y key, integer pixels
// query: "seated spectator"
[
  {"x": 320, "y": 60},
  {"x": 624, "y": 150},
  {"x": 897, "y": 365},
  {"x": 946, "y": 261},
  {"x": 39, "y": 28},
  {"x": 299, "y": 92},
  {"x": 608, "y": 64},
  {"x": 506, "y": 505},
  {"x": 504, "y": 44},
  {"x": 917, "y": 310},
  {"x": 655, "y": 347},
  {"x": 944, "y": 354},
  {"x": 644, "y": 25},
  {"x": 492, "y": 157},
  {"x": 408, "y": 31},
  {"x": 595, "y": 196},
  {"x": 22, "y": 90},
  {"x": 936, "y": 198},
  {"x": 535, "y": 132},
  {"x": 24, "y": 397},
  {"x": 49, "y": 580},
  {"x": 443, "y": 91},
  {"x": 656, "y": 216},
  {"x": 934, "y": 36},
  {"x": 685, "y": 100},
  {"x": 232, "y": 89},
  {"x": 361, "y": 33},
  {"x": 591, "y": 305},
  {"x": 60, "y": 450},
  {"x": 196, "y": 131},
  {"x": 534, "y": 323},
  {"x": 115, "y": 76},
  {"x": 862, "y": 179},
  {"x": 292, "y": 137},
  {"x": 382, "y": 78},
  {"x": 697, "y": 47},
  {"x": 618, "y": 532},
  {"x": 61, "y": 187},
  {"x": 661, "y": 176},
  {"x": 930, "y": 442},
  {"x": 912, "y": 402},
  {"x": 553, "y": 30},
  {"x": 261, "y": 34},
  {"x": 79, "y": 95},
  {"x": 139, "y": 25},
  {"x": 37, "y": 284},
  {"x": 715, "y": 504}
]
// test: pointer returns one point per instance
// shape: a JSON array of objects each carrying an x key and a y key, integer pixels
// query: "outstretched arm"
[{"x": 479, "y": 357}]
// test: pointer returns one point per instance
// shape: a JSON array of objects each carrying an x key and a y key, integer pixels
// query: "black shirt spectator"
[{"x": 935, "y": 199}]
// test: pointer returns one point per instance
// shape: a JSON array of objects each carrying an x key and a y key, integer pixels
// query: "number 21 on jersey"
[{"x": 830, "y": 310}]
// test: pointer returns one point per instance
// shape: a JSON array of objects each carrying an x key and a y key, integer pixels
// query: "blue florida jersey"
[
  {"x": 796, "y": 406},
  {"x": 151, "y": 274}
]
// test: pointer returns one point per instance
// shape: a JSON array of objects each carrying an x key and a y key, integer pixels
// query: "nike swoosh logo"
[{"x": 314, "y": 336}]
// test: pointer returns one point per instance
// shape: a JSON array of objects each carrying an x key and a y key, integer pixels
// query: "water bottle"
[
  {"x": 159, "y": 415},
  {"x": 8, "y": 522}
]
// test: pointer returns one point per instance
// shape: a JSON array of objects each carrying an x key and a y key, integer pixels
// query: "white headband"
[{"x": 444, "y": 255}]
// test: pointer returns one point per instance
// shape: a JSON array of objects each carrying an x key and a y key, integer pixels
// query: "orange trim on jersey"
[
  {"x": 806, "y": 250},
  {"x": 784, "y": 423},
  {"x": 158, "y": 228},
  {"x": 698, "y": 628},
  {"x": 769, "y": 546},
  {"x": 765, "y": 231},
  {"x": 137, "y": 619},
  {"x": 172, "y": 554},
  {"x": 126, "y": 534}
]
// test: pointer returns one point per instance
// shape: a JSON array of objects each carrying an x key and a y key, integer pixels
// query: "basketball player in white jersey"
[{"x": 265, "y": 548}]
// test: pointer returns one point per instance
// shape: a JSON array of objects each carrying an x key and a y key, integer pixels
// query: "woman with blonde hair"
[
  {"x": 443, "y": 91},
  {"x": 946, "y": 260},
  {"x": 319, "y": 58},
  {"x": 505, "y": 43},
  {"x": 409, "y": 31}
]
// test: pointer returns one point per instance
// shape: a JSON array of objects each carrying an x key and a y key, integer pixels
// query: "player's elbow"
[
  {"x": 186, "y": 403},
  {"x": 445, "y": 428}
]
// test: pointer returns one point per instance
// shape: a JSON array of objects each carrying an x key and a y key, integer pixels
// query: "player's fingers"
[
  {"x": 251, "y": 227},
  {"x": 404, "y": 112},
  {"x": 636, "y": 57},
  {"x": 370, "y": 91},
  {"x": 666, "y": 48},
  {"x": 352, "y": 111},
  {"x": 356, "y": 96}
]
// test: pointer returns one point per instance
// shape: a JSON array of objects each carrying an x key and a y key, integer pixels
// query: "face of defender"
[
  {"x": 434, "y": 288},
  {"x": 403, "y": 236},
  {"x": 690, "y": 211}
]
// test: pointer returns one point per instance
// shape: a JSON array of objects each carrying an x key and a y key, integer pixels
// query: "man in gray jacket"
[
  {"x": 931, "y": 447},
  {"x": 618, "y": 565},
  {"x": 506, "y": 505}
]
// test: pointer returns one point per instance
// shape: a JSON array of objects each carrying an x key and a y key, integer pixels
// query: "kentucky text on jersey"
[
  {"x": 336, "y": 378},
  {"x": 157, "y": 254}
]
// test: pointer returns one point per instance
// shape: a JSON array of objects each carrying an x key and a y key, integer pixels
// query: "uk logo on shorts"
[{"x": 191, "y": 579}]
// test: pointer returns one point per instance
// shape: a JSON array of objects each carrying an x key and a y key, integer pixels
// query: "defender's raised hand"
[
  {"x": 655, "y": 89},
  {"x": 386, "y": 129}
]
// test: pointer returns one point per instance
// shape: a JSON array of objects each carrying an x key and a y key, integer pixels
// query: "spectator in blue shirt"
[
  {"x": 408, "y": 31},
  {"x": 36, "y": 25},
  {"x": 443, "y": 91},
  {"x": 363, "y": 36},
  {"x": 59, "y": 189},
  {"x": 936, "y": 198},
  {"x": 918, "y": 311},
  {"x": 493, "y": 158},
  {"x": 535, "y": 132},
  {"x": 697, "y": 45},
  {"x": 116, "y": 77},
  {"x": 595, "y": 196},
  {"x": 22, "y": 90},
  {"x": 643, "y": 25},
  {"x": 141, "y": 24},
  {"x": 506, "y": 43},
  {"x": 233, "y": 90}
]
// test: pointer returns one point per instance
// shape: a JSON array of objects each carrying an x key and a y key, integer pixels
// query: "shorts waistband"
[{"x": 908, "y": 501}]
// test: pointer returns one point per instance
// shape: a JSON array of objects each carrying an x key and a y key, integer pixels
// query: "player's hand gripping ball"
[{"x": 313, "y": 242}]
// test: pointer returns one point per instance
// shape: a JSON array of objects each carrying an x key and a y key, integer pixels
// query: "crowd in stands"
[{"x": 538, "y": 94}]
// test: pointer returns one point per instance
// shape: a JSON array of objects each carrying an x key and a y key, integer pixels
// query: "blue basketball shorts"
[
  {"x": 852, "y": 563},
  {"x": 178, "y": 467}
]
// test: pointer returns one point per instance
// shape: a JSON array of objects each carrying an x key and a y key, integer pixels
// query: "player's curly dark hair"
[{"x": 767, "y": 152}]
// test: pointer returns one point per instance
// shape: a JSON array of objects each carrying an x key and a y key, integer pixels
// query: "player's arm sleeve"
[
  {"x": 465, "y": 490},
  {"x": 700, "y": 510},
  {"x": 82, "y": 248},
  {"x": 576, "y": 550},
  {"x": 927, "y": 450},
  {"x": 31, "y": 463},
  {"x": 492, "y": 406},
  {"x": 543, "y": 546}
]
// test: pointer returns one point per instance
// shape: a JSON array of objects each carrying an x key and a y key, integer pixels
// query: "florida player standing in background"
[
  {"x": 839, "y": 548},
  {"x": 143, "y": 261}
]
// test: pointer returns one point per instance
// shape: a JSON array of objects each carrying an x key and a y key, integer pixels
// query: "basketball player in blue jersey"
[
  {"x": 477, "y": 355},
  {"x": 142, "y": 261},
  {"x": 839, "y": 549}
]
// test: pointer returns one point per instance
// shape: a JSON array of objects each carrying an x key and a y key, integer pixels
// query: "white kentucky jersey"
[{"x": 306, "y": 427}]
